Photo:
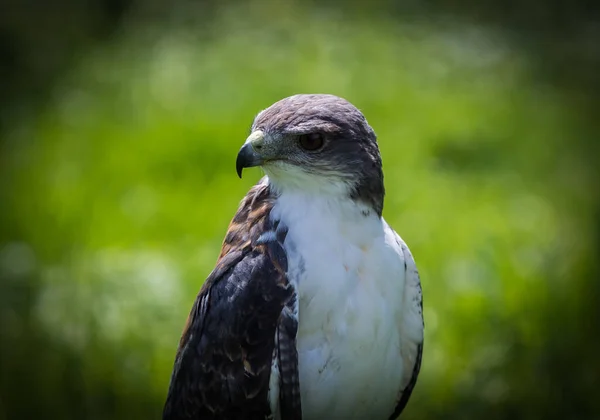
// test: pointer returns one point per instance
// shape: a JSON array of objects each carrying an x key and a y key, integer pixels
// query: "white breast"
[{"x": 350, "y": 273}]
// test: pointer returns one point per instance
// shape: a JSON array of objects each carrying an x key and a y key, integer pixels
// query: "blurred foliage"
[{"x": 117, "y": 190}]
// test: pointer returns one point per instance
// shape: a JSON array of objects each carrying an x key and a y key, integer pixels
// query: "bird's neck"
[
  {"x": 337, "y": 197},
  {"x": 294, "y": 205}
]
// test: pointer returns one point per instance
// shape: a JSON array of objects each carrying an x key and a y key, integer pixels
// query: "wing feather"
[
  {"x": 223, "y": 363},
  {"x": 287, "y": 353}
]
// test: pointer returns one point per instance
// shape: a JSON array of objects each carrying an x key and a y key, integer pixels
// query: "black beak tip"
[
  {"x": 246, "y": 158},
  {"x": 240, "y": 164}
]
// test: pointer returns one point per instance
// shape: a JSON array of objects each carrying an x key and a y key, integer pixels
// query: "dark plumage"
[{"x": 223, "y": 362}]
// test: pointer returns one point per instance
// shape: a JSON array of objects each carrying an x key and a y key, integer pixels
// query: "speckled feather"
[{"x": 223, "y": 363}]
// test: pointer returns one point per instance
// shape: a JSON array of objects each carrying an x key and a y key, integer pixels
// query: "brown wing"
[{"x": 223, "y": 364}]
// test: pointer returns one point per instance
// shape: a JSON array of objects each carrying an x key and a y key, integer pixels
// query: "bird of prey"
[{"x": 314, "y": 309}]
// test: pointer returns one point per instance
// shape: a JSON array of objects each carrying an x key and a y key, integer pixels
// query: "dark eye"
[{"x": 312, "y": 141}]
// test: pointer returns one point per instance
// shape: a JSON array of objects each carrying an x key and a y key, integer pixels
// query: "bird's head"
[{"x": 316, "y": 143}]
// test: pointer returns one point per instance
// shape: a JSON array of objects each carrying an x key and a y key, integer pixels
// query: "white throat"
[{"x": 292, "y": 180}]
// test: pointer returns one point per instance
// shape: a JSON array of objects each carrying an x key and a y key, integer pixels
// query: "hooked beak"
[{"x": 249, "y": 155}]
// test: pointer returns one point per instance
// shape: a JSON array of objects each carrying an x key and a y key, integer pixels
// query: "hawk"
[{"x": 314, "y": 308}]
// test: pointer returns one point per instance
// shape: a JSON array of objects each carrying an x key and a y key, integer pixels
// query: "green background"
[{"x": 117, "y": 188}]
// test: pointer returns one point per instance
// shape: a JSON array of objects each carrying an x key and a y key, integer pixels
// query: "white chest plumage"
[{"x": 350, "y": 273}]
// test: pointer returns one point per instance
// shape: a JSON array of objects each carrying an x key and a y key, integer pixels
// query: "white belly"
[{"x": 350, "y": 278}]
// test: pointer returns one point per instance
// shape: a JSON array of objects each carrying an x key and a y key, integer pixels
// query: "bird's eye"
[{"x": 312, "y": 141}]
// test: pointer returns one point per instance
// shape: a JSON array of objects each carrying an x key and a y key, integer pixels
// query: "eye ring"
[{"x": 311, "y": 141}]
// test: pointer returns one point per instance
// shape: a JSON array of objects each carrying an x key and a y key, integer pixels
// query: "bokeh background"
[{"x": 120, "y": 121}]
